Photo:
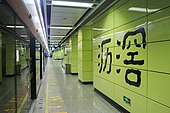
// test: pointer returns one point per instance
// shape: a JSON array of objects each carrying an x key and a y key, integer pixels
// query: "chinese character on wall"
[
  {"x": 103, "y": 56},
  {"x": 132, "y": 60},
  {"x": 132, "y": 55}
]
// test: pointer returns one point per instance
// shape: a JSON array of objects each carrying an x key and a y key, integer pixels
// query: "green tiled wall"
[
  {"x": 151, "y": 94},
  {"x": 74, "y": 54},
  {"x": 85, "y": 64}
]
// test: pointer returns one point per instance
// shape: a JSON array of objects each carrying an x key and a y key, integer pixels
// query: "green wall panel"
[
  {"x": 106, "y": 35},
  {"x": 122, "y": 80},
  {"x": 158, "y": 56},
  {"x": 138, "y": 103},
  {"x": 158, "y": 4},
  {"x": 154, "y": 107},
  {"x": 95, "y": 56},
  {"x": 131, "y": 27},
  {"x": 142, "y": 56},
  {"x": 123, "y": 15},
  {"x": 161, "y": 21},
  {"x": 104, "y": 86},
  {"x": 104, "y": 24},
  {"x": 99, "y": 56},
  {"x": 103, "y": 74},
  {"x": 158, "y": 87},
  {"x": 139, "y": 44}
]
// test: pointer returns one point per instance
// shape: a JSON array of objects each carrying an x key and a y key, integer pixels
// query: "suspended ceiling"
[{"x": 64, "y": 16}]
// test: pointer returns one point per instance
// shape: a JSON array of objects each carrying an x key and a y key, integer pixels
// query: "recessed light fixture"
[
  {"x": 100, "y": 29},
  {"x": 52, "y": 27},
  {"x": 72, "y": 4},
  {"x": 15, "y": 27},
  {"x": 24, "y": 36},
  {"x": 139, "y": 9}
]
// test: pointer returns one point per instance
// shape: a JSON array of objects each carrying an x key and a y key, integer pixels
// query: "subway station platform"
[{"x": 63, "y": 93}]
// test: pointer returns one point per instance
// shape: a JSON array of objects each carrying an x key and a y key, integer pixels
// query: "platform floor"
[{"x": 63, "y": 93}]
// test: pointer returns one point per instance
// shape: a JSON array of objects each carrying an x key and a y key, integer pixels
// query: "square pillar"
[
  {"x": 85, "y": 37},
  {"x": 74, "y": 55}
]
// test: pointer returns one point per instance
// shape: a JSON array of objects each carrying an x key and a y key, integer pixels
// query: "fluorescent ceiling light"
[
  {"x": 139, "y": 9},
  {"x": 15, "y": 26},
  {"x": 57, "y": 36},
  {"x": 100, "y": 29},
  {"x": 61, "y": 27},
  {"x": 73, "y": 4},
  {"x": 24, "y": 36}
]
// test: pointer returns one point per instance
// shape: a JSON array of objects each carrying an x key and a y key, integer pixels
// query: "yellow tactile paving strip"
[{"x": 53, "y": 103}]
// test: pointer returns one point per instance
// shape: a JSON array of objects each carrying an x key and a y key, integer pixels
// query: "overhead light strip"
[
  {"x": 139, "y": 9},
  {"x": 15, "y": 27},
  {"x": 24, "y": 36},
  {"x": 52, "y": 27},
  {"x": 72, "y": 4}
]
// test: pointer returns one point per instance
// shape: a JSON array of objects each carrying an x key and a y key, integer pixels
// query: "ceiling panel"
[
  {"x": 55, "y": 38},
  {"x": 64, "y": 16},
  {"x": 58, "y": 32},
  {"x": 68, "y": 10}
]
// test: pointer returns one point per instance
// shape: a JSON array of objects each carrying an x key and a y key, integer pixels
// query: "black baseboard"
[
  {"x": 114, "y": 104},
  {"x": 74, "y": 73},
  {"x": 85, "y": 83}
]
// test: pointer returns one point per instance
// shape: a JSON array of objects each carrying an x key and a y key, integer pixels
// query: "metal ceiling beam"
[{"x": 97, "y": 11}]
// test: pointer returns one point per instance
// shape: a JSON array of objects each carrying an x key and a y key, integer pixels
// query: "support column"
[
  {"x": 33, "y": 68},
  {"x": 41, "y": 61},
  {"x": 74, "y": 55},
  {"x": 28, "y": 56},
  {"x": 44, "y": 61},
  {"x": 67, "y": 57},
  {"x": 85, "y": 72}
]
